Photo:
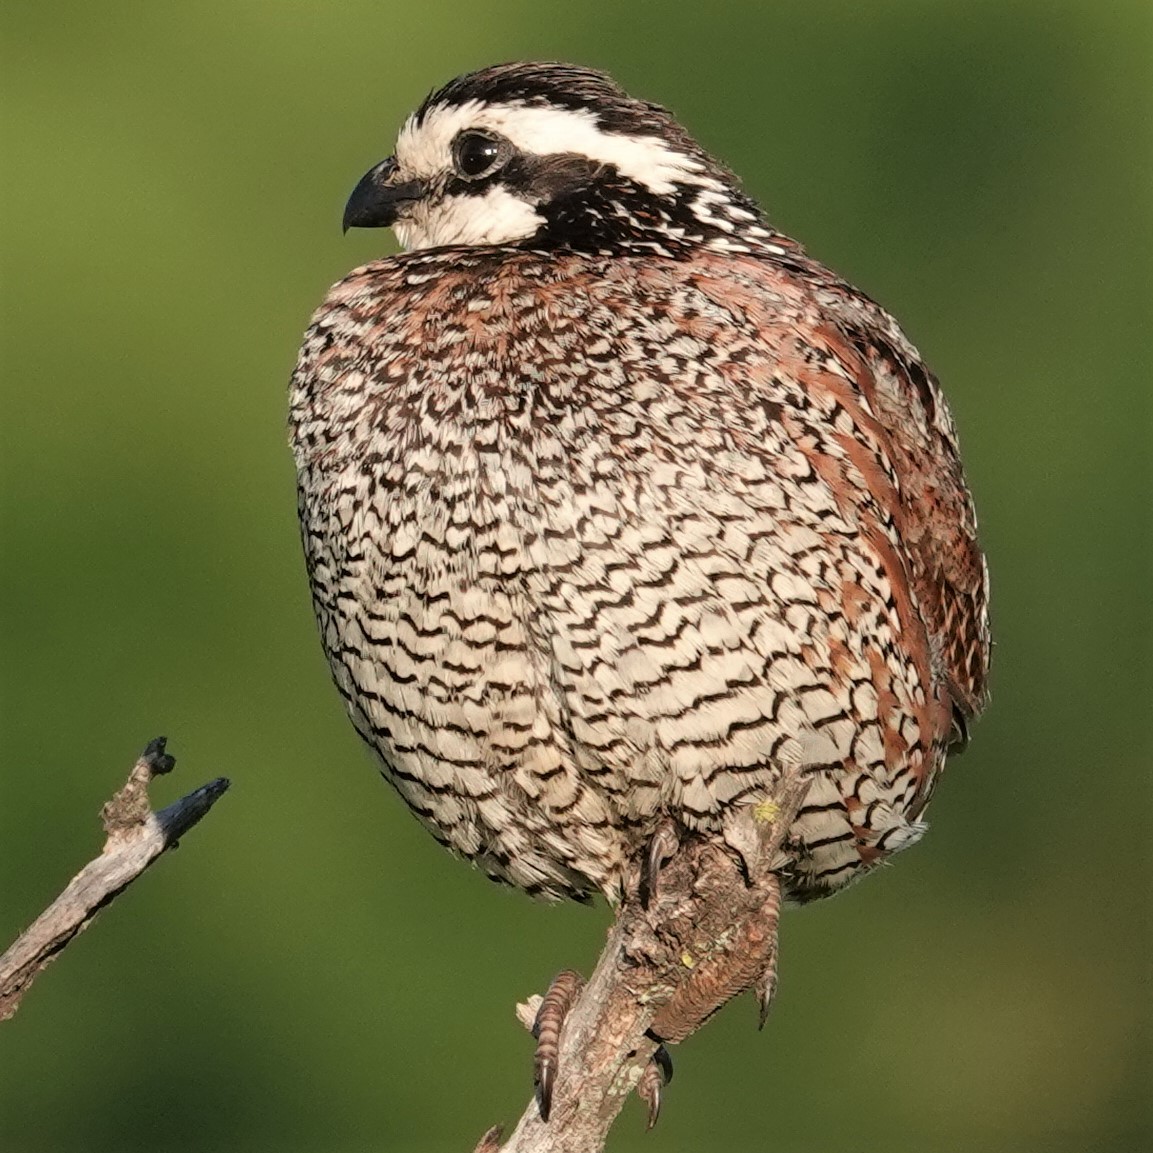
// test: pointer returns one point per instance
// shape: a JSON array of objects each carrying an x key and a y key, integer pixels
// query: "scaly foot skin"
[
  {"x": 554, "y": 1008},
  {"x": 550, "y": 1018},
  {"x": 766, "y": 988}
]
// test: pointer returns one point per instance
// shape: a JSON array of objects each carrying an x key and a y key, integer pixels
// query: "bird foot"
[
  {"x": 554, "y": 1008},
  {"x": 658, "y": 1073},
  {"x": 663, "y": 845},
  {"x": 765, "y": 988},
  {"x": 549, "y": 1020}
]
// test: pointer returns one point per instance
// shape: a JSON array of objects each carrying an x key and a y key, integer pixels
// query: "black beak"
[{"x": 375, "y": 201}]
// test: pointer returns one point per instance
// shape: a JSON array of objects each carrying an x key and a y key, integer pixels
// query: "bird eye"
[{"x": 476, "y": 154}]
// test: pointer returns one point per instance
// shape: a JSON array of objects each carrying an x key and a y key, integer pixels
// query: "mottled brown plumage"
[{"x": 615, "y": 502}]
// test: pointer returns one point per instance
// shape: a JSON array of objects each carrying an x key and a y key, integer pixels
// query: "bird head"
[{"x": 551, "y": 156}]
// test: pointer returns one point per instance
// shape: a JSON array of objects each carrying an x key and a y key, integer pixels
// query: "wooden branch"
[
  {"x": 136, "y": 836},
  {"x": 708, "y": 934}
]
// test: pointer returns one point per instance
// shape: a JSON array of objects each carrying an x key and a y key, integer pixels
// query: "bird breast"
[{"x": 593, "y": 541}]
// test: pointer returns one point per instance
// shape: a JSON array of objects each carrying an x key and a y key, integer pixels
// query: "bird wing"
[
  {"x": 938, "y": 521},
  {"x": 934, "y": 510}
]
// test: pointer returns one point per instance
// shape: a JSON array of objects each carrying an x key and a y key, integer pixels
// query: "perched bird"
[{"x": 614, "y": 502}]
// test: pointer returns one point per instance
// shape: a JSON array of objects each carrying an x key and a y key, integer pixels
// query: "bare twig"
[
  {"x": 136, "y": 836},
  {"x": 707, "y": 934}
]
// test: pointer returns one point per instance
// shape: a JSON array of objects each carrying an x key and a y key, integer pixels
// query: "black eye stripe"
[
  {"x": 534, "y": 178},
  {"x": 459, "y": 186}
]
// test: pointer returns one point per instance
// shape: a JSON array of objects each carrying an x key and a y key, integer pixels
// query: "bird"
[{"x": 615, "y": 502}]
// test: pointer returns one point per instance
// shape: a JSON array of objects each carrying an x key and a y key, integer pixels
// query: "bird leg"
[
  {"x": 765, "y": 986},
  {"x": 726, "y": 965},
  {"x": 710, "y": 934},
  {"x": 554, "y": 1008},
  {"x": 663, "y": 845},
  {"x": 658, "y": 1073}
]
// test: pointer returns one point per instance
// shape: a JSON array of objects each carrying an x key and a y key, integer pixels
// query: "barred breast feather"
[{"x": 596, "y": 540}]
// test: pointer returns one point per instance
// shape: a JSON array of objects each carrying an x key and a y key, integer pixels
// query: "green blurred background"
[{"x": 311, "y": 972}]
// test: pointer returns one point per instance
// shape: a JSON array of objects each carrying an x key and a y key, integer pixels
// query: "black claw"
[
  {"x": 545, "y": 1079},
  {"x": 662, "y": 846},
  {"x": 765, "y": 990},
  {"x": 657, "y": 1074},
  {"x": 664, "y": 1062},
  {"x": 654, "y": 1107}
]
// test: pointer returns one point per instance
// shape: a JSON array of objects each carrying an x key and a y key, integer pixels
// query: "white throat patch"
[{"x": 494, "y": 217}]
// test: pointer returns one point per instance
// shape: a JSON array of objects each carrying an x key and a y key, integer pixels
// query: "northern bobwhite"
[{"x": 614, "y": 501}]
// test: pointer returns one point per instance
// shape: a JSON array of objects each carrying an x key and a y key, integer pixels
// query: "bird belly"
[
  {"x": 541, "y": 700},
  {"x": 732, "y": 632},
  {"x": 444, "y": 679}
]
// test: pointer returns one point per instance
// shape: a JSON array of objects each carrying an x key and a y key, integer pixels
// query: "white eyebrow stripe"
[{"x": 424, "y": 149}]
